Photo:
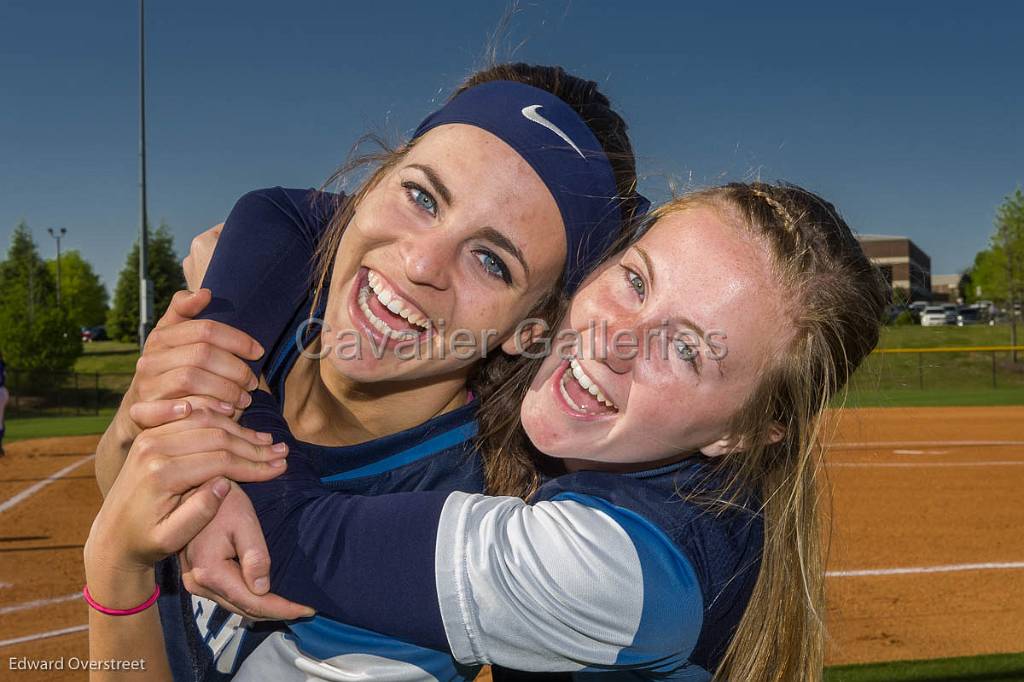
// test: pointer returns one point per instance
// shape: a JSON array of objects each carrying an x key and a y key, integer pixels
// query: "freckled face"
[
  {"x": 700, "y": 273},
  {"x": 461, "y": 234}
]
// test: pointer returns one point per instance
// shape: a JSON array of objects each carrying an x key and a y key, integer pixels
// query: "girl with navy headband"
[
  {"x": 682, "y": 540},
  {"x": 493, "y": 213}
]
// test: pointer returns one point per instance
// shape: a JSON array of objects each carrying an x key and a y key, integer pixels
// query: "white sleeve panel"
[{"x": 555, "y": 586}]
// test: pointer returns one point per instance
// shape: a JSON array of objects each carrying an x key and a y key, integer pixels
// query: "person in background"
[{"x": 4, "y": 397}]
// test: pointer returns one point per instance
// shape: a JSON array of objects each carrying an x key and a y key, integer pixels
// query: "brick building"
[{"x": 902, "y": 262}]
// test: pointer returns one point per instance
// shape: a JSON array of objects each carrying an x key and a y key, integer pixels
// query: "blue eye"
[
  {"x": 685, "y": 351},
  {"x": 420, "y": 197},
  {"x": 637, "y": 283},
  {"x": 494, "y": 266}
]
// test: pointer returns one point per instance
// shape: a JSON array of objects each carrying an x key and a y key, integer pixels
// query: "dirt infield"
[{"x": 934, "y": 494}]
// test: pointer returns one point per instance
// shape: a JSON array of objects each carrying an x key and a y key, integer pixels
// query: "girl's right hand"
[{"x": 170, "y": 487}]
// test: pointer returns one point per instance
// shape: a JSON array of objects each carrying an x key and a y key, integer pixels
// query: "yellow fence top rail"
[{"x": 950, "y": 349}]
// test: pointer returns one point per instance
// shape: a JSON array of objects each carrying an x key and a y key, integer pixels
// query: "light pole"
[
  {"x": 58, "y": 235},
  {"x": 145, "y": 286}
]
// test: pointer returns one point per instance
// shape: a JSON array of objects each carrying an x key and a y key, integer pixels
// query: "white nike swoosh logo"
[{"x": 530, "y": 113}]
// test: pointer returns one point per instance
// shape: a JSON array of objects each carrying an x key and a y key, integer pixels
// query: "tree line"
[
  {"x": 40, "y": 336},
  {"x": 997, "y": 274}
]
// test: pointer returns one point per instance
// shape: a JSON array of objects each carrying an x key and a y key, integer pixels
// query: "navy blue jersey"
[
  {"x": 261, "y": 284},
  {"x": 3, "y": 373},
  {"x": 617, "y": 575}
]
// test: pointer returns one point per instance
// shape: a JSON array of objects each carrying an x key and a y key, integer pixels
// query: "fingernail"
[
  {"x": 258, "y": 349},
  {"x": 180, "y": 409},
  {"x": 245, "y": 400},
  {"x": 221, "y": 488},
  {"x": 309, "y": 613},
  {"x": 227, "y": 408},
  {"x": 261, "y": 584},
  {"x": 277, "y": 463},
  {"x": 279, "y": 447},
  {"x": 264, "y": 437},
  {"x": 254, "y": 383}
]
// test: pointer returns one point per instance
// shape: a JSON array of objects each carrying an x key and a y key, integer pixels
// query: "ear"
[
  {"x": 727, "y": 444},
  {"x": 525, "y": 334}
]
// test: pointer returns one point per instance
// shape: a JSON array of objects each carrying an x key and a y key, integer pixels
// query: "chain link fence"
[{"x": 37, "y": 393}]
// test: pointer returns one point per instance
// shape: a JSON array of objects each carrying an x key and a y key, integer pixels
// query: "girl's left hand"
[{"x": 170, "y": 487}]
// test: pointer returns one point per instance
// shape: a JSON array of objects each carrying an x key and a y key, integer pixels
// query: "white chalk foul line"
[
  {"x": 42, "y": 635},
  {"x": 888, "y": 444},
  {"x": 36, "y": 487},
  {"x": 913, "y": 570},
  {"x": 36, "y": 603}
]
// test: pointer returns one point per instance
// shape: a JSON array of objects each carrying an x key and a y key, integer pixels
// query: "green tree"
[
  {"x": 34, "y": 334},
  {"x": 164, "y": 270},
  {"x": 989, "y": 275},
  {"x": 82, "y": 293},
  {"x": 1009, "y": 238}
]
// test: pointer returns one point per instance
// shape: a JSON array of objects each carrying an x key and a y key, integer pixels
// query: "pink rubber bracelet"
[{"x": 120, "y": 612}]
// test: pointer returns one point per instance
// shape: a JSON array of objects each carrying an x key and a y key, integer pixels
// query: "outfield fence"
[
  {"x": 949, "y": 368},
  {"x": 39, "y": 393}
]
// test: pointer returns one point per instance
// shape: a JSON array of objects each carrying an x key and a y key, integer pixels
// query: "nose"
[
  {"x": 622, "y": 345},
  {"x": 428, "y": 257}
]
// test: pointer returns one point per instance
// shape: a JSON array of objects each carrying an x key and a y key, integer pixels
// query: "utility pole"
[
  {"x": 145, "y": 286},
  {"x": 58, "y": 235}
]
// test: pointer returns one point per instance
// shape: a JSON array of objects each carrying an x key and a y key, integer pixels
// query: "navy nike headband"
[{"x": 561, "y": 149}]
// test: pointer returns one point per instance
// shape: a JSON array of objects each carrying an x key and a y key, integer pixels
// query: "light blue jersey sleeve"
[{"x": 574, "y": 583}]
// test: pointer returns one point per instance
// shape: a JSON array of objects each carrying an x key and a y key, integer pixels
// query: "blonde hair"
[{"x": 837, "y": 299}]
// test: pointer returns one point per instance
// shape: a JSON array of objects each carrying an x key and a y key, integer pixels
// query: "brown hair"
[
  {"x": 501, "y": 380},
  {"x": 837, "y": 299}
]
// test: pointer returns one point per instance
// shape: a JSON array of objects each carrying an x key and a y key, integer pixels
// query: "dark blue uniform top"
[
  {"x": 261, "y": 284},
  {"x": 617, "y": 575}
]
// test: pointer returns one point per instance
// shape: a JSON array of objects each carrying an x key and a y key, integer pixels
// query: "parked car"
[
  {"x": 916, "y": 308},
  {"x": 937, "y": 316},
  {"x": 968, "y": 316},
  {"x": 94, "y": 333}
]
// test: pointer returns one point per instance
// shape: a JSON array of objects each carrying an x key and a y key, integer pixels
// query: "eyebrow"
[
  {"x": 500, "y": 240},
  {"x": 434, "y": 180},
  {"x": 647, "y": 262},
  {"x": 689, "y": 325}
]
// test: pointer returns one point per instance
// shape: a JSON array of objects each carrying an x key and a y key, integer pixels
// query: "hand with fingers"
[
  {"x": 203, "y": 361},
  {"x": 172, "y": 484},
  {"x": 228, "y": 562},
  {"x": 173, "y": 478}
]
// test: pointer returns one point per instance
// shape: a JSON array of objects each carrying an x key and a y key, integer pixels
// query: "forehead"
[
  {"x": 719, "y": 275},
  {"x": 493, "y": 186},
  {"x": 473, "y": 160}
]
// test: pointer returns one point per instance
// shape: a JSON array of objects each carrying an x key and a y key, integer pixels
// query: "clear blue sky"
[{"x": 908, "y": 115}]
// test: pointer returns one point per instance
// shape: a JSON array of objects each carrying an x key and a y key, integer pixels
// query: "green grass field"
[
  {"x": 1001, "y": 668},
  {"x": 105, "y": 357},
  {"x": 934, "y": 379},
  {"x": 916, "y": 336},
  {"x": 53, "y": 427}
]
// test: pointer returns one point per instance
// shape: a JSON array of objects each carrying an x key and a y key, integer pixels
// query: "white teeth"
[
  {"x": 392, "y": 302},
  {"x": 379, "y": 324},
  {"x": 587, "y": 383}
]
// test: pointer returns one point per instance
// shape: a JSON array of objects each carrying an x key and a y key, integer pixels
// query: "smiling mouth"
[
  {"x": 387, "y": 312},
  {"x": 581, "y": 394}
]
